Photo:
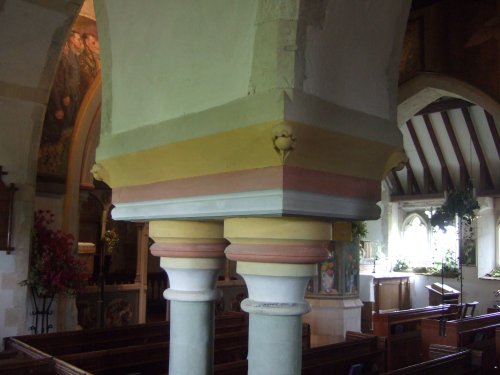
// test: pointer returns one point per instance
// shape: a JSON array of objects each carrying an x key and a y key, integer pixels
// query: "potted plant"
[
  {"x": 459, "y": 205},
  {"x": 459, "y": 209},
  {"x": 54, "y": 269}
]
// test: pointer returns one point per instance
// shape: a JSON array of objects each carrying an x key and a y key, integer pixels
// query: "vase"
[{"x": 67, "y": 313}]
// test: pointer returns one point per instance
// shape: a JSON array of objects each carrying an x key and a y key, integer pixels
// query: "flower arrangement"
[
  {"x": 54, "y": 269},
  {"x": 458, "y": 203},
  {"x": 111, "y": 241},
  {"x": 359, "y": 230}
]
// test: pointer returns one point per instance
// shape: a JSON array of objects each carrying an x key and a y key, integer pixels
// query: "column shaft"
[
  {"x": 192, "y": 254},
  {"x": 191, "y": 338},
  {"x": 275, "y": 344},
  {"x": 276, "y": 257}
]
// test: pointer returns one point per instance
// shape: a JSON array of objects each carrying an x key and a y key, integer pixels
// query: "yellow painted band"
[
  {"x": 252, "y": 147},
  {"x": 285, "y": 229},
  {"x": 192, "y": 263},
  {"x": 276, "y": 269},
  {"x": 235, "y": 150},
  {"x": 185, "y": 229},
  {"x": 328, "y": 151}
]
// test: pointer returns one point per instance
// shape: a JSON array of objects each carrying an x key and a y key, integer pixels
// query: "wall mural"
[{"x": 79, "y": 65}]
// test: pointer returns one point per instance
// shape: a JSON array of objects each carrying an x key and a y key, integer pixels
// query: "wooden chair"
[{"x": 467, "y": 309}]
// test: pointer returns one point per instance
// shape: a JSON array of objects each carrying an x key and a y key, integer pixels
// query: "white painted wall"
[
  {"x": 353, "y": 59},
  {"x": 165, "y": 59},
  {"x": 30, "y": 41}
]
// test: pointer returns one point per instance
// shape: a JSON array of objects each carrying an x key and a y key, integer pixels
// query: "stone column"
[
  {"x": 192, "y": 254},
  {"x": 277, "y": 257}
]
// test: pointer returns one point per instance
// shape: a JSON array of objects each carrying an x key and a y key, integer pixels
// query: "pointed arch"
[
  {"x": 84, "y": 141},
  {"x": 425, "y": 88}
]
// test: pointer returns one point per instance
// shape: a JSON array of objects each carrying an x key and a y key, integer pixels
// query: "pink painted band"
[
  {"x": 278, "y": 253},
  {"x": 286, "y": 178},
  {"x": 175, "y": 250}
]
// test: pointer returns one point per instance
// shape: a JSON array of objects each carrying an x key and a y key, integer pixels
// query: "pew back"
[
  {"x": 458, "y": 332},
  {"x": 459, "y": 363},
  {"x": 61, "y": 343},
  {"x": 402, "y": 330}
]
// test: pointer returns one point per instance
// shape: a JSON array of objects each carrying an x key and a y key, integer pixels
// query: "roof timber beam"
[
  {"x": 411, "y": 182},
  {"x": 464, "y": 174},
  {"x": 493, "y": 130},
  {"x": 485, "y": 181},
  {"x": 446, "y": 179},
  {"x": 399, "y": 186},
  {"x": 429, "y": 184},
  {"x": 444, "y": 105}
]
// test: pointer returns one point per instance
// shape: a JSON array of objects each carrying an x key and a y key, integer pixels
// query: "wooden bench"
[
  {"x": 459, "y": 363},
  {"x": 23, "y": 366},
  {"x": 340, "y": 357},
  {"x": 402, "y": 330},
  {"x": 475, "y": 333},
  {"x": 151, "y": 358},
  {"x": 482, "y": 341},
  {"x": 139, "y": 348},
  {"x": 497, "y": 346},
  {"x": 60, "y": 343},
  {"x": 458, "y": 332},
  {"x": 13, "y": 362},
  {"x": 358, "y": 349}
]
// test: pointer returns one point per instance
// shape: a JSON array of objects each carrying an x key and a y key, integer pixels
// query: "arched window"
[
  {"x": 415, "y": 241},
  {"x": 445, "y": 244},
  {"x": 424, "y": 247}
]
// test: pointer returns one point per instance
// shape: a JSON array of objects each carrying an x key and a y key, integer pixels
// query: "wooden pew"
[
  {"x": 151, "y": 358},
  {"x": 482, "y": 341},
  {"x": 402, "y": 330},
  {"x": 340, "y": 357},
  {"x": 460, "y": 332},
  {"x": 358, "y": 349},
  {"x": 458, "y": 363},
  {"x": 120, "y": 356},
  {"x": 60, "y": 343},
  {"x": 384, "y": 324},
  {"x": 364, "y": 349},
  {"x": 497, "y": 346},
  {"x": 13, "y": 362},
  {"x": 23, "y": 366},
  {"x": 232, "y": 368},
  {"x": 475, "y": 333}
]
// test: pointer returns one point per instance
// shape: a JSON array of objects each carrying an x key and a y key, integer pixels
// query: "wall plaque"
[{"x": 6, "y": 212}]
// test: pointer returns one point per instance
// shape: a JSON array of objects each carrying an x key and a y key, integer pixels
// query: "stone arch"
[
  {"x": 425, "y": 88},
  {"x": 84, "y": 141}
]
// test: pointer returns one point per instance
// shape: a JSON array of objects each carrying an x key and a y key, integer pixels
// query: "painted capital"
[
  {"x": 277, "y": 240},
  {"x": 187, "y": 239}
]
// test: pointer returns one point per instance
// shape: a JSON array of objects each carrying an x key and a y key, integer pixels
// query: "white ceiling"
[{"x": 457, "y": 112}]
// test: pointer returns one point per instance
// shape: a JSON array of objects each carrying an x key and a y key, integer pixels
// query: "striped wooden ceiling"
[{"x": 449, "y": 143}]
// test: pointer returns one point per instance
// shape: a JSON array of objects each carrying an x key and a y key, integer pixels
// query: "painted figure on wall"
[
  {"x": 78, "y": 66},
  {"x": 89, "y": 61},
  {"x": 328, "y": 280},
  {"x": 351, "y": 266}
]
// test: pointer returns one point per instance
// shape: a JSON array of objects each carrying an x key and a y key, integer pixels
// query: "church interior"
[{"x": 261, "y": 186}]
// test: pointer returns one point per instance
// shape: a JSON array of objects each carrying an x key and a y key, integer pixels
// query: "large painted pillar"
[
  {"x": 280, "y": 107},
  {"x": 251, "y": 109},
  {"x": 276, "y": 257},
  {"x": 192, "y": 254}
]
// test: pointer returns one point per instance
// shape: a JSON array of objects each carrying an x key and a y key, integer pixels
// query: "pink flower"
[{"x": 54, "y": 268}]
